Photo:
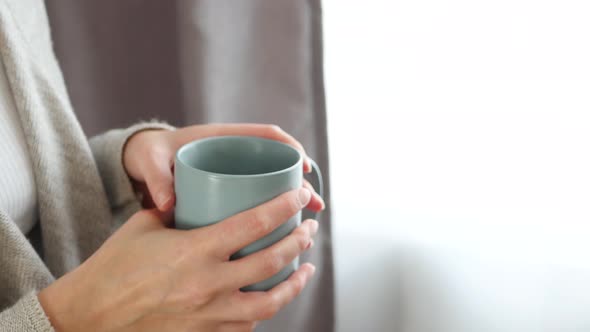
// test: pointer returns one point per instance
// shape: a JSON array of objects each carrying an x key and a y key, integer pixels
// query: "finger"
[
  {"x": 264, "y": 305},
  {"x": 237, "y": 327},
  {"x": 276, "y": 133},
  {"x": 273, "y": 132},
  {"x": 251, "y": 225},
  {"x": 265, "y": 263},
  {"x": 316, "y": 204},
  {"x": 159, "y": 179}
]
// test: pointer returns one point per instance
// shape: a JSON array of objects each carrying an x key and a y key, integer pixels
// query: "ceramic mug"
[{"x": 220, "y": 176}]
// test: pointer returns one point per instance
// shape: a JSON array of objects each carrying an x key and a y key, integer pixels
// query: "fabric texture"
[
  {"x": 73, "y": 176},
  {"x": 26, "y": 315},
  {"x": 18, "y": 196},
  {"x": 202, "y": 61}
]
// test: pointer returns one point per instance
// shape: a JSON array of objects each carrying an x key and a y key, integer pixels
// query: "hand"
[
  {"x": 149, "y": 156},
  {"x": 147, "y": 277}
]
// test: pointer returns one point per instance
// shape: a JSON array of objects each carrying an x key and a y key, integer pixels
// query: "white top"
[{"x": 18, "y": 194}]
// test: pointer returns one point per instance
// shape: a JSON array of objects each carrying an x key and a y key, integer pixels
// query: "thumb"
[{"x": 160, "y": 182}]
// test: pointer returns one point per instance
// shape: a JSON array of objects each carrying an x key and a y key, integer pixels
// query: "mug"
[{"x": 220, "y": 176}]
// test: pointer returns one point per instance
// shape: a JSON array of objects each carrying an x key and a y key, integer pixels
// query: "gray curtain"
[{"x": 206, "y": 61}]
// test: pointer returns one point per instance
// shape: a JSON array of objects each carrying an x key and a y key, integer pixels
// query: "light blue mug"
[{"x": 220, "y": 176}]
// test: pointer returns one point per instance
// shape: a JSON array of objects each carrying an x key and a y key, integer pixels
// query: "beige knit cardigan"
[{"x": 82, "y": 188}]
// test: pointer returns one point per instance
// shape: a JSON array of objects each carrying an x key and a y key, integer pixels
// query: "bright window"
[{"x": 462, "y": 125}]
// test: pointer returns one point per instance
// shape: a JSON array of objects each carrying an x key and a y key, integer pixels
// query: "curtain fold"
[{"x": 200, "y": 61}]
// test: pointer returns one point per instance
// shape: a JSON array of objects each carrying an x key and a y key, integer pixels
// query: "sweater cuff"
[
  {"x": 25, "y": 315},
  {"x": 108, "y": 155}
]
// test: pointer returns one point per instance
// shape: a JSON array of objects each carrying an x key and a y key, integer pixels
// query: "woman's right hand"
[{"x": 147, "y": 277}]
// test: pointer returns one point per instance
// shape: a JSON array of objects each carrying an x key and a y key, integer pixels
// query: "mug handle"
[{"x": 316, "y": 180}]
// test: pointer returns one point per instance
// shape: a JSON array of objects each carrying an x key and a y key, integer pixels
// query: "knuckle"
[
  {"x": 187, "y": 249},
  {"x": 260, "y": 223},
  {"x": 271, "y": 308},
  {"x": 197, "y": 297},
  {"x": 273, "y": 263},
  {"x": 292, "y": 203},
  {"x": 302, "y": 241}
]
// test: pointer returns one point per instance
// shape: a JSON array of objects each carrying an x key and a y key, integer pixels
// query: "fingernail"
[
  {"x": 314, "y": 227},
  {"x": 323, "y": 203},
  {"x": 312, "y": 270},
  {"x": 304, "y": 196},
  {"x": 162, "y": 198}
]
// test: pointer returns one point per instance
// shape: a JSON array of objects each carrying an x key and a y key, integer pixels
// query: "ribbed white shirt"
[{"x": 18, "y": 194}]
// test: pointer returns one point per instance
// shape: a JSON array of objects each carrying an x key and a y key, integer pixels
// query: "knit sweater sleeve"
[
  {"x": 26, "y": 315},
  {"x": 107, "y": 149}
]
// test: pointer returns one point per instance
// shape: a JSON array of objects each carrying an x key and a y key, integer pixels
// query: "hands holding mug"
[
  {"x": 149, "y": 156},
  {"x": 151, "y": 277},
  {"x": 148, "y": 277}
]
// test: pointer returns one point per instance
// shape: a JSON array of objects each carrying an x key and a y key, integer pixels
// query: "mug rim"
[{"x": 191, "y": 144}]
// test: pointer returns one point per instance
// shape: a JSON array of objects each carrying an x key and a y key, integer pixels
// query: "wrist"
[
  {"x": 61, "y": 306},
  {"x": 54, "y": 307},
  {"x": 136, "y": 148}
]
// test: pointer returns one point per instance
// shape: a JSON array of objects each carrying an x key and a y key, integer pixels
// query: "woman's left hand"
[{"x": 148, "y": 157}]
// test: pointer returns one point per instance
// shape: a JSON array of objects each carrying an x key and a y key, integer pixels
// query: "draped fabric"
[{"x": 204, "y": 61}]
